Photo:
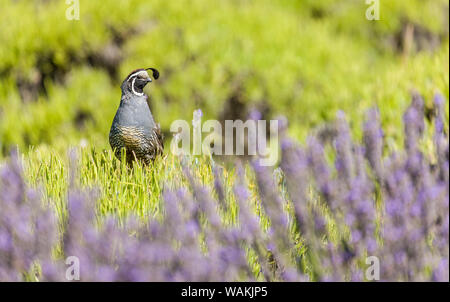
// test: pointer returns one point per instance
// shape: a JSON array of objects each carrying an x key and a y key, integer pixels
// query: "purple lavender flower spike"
[{"x": 373, "y": 142}]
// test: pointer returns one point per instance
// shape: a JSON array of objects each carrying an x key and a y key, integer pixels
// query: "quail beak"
[{"x": 148, "y": 80}]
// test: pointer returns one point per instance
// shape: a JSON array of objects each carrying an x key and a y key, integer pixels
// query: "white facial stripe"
[
  {"x": 134, "y": 91},
  {"x": 136, "y": 73}
]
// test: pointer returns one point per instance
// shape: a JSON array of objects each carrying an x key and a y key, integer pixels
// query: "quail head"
[{"x": 133, "y": 127}]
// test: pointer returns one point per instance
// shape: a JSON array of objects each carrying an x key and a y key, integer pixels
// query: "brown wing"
[{"x": 159, "y": 140}]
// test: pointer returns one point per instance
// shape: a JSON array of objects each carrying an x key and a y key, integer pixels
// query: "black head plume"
[{"x": 155, "y": 73}]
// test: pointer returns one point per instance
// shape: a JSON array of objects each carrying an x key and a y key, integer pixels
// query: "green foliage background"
[
  {"x": 305, "y": 59},
  {"x": 59, "y": 79}
]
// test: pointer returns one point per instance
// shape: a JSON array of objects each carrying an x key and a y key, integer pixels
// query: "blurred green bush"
[{"x": 59, "y": 79}]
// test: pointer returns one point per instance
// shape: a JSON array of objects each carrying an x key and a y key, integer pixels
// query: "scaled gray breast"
[{"x": 134, "y": 130}]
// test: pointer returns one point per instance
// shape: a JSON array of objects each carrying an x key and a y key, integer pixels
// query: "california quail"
[{"x": 133, "y": 127}]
